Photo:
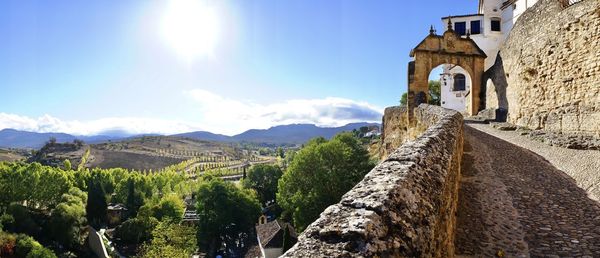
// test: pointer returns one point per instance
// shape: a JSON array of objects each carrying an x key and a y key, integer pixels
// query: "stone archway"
[{"x": 449, "y": 48}]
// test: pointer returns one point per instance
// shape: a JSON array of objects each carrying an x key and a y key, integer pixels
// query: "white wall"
[
  {"x": 490, "y": 41},
  {"x": 272, "y": 252},
  {"x": 520, "y": 7},
  {"x": 456, "y": 100}
]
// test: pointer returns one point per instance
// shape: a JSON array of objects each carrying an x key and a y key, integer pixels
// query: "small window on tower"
[
  {"x": 460, "y": 28},
  {"x": 495, "y": 22}
]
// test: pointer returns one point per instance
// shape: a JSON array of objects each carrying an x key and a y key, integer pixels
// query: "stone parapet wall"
[
  {"x": 393, "y": 129},
  {"x": 404, "y": 207},
  {"x": 547, "y": 74}
]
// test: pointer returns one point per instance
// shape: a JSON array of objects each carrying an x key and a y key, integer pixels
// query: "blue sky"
[{"x": 87, "y": 66}]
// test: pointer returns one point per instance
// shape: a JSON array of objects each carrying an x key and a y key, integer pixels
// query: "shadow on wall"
[{"x": 498, "y": 76}]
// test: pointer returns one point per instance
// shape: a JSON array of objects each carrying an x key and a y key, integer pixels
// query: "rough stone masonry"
[
  {"x": 547, "y": 74},
  {"x": 404, "y": 207}
]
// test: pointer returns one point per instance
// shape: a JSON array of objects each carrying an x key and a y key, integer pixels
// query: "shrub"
[
  {"x": 40, "y": 252},
  {"x": 136, "y": 231},
  {"x": 25, "y": 244},
  {"x": 23, "y": 221}
]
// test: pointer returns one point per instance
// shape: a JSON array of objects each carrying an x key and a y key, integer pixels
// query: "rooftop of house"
[
  {"x": 190, "y": 215},
  {"x": 253, "y": 252},
  {"x": 270, "y": 234},
  {"x": 461, "y": 16},
  {"x": 116, "y": 207}
]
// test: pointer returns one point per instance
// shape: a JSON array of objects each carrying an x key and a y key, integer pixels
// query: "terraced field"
[{"x": 145, "y": 153}]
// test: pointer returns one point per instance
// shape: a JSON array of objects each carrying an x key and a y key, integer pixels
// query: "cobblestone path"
[{"x": 513, "y": 203}]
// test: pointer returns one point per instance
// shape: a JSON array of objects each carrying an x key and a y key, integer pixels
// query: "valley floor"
[{"x": 521, "y": 198}]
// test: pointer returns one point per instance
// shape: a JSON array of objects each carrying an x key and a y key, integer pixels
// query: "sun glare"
[{"x": 190, "y": 27}]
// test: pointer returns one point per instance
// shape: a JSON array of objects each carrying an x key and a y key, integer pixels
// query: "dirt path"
[{"x": 514, "y": 203}]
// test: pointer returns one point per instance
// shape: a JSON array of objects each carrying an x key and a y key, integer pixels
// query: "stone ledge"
[{"x": 404, "y": 207}]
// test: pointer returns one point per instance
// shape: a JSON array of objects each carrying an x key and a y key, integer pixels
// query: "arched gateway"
[{"x": 449, "y": 48}]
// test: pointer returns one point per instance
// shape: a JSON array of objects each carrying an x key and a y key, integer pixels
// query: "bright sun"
[{"x": 190, "y": 27}]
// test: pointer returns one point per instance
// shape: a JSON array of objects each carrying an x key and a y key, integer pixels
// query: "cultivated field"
[{"x": 154, "y": 153}]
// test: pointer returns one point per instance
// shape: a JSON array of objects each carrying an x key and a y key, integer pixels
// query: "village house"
[
  {"x": 271, "y": 238},
  {"x": 116, "y": 213}
]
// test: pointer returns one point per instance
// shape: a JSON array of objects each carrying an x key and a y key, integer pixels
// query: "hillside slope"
[{"x": 141, "y": 153}]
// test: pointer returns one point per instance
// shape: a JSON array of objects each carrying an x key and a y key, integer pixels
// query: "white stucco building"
[
  {"x": 455, "y": 84},
  {"x": 489, "y": 28}
]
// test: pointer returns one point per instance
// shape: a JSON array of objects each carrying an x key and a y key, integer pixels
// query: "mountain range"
[{"x": 282, "y": 134}]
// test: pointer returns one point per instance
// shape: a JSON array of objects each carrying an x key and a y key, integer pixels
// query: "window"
[
  {"x": 459, "y": 82},
  {"x": 475, "y": 27},
  {"x": 460, "y": 28},
  {"x": 495, "y": 22}
]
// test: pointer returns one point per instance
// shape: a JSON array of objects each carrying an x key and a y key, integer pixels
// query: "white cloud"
[
  {"x": 131, "y": 125},
  {"x": 215, "y": 114},
  {"x": 229, "y": 115}
]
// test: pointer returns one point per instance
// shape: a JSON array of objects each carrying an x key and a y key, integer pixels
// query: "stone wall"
[
  {"x": 396, "y": 130},
  {"x": 404, "y": 207},
  {"x": 547, "y": 74},
  {"x": 393, "y": 129}
]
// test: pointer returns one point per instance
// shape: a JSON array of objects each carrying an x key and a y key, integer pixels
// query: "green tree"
[
  {"x": 67, "y": 221},
  {"x": 23, "y": 221},
  {"x": 67, "y": 164},
  {"x": 50, "y": 184},
  {"x": 169, "y": 207},
  {"x": 280, "y": 152},
  {"x": 96, "y": 204},
  {"x": 106, "y": 178},
  {"x": 24, "y": 245},
  {"x": 404, "y": 99},
  {"x": 136, "y": 230},
  {"x": 27, "y": 247},
  {"x": 135, "y": 198},
  {"x": 170, "y": 240},
  {"x": 263, "y": 179},
  {"x": 320, "y": 174},
  {"x": 41, "y": 252},
  {"x": 435, "y": 93},
  {"x": 227, "y": 216},
  {"x": 37, "y": 186}
]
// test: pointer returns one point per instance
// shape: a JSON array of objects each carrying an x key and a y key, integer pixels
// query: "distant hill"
[
  {"x": 206, "y": 136},
  {"x": 21, "y": 139},
  {"x": 10, "y": 138},
  {"x": 282, "y": 134}
]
